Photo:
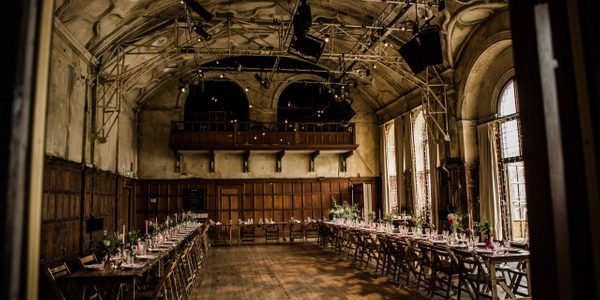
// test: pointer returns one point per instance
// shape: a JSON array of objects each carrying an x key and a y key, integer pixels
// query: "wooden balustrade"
[{"x": 261, "y": 136}]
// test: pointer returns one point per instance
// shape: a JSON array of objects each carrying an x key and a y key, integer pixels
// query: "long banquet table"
[
  {"x": 142, "y": 268},
  {"x": 492, "y": 258}
]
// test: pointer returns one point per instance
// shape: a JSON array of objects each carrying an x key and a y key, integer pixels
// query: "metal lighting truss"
[
  {"x": 121, "y": 69},
  {"x": 435, "y": 104}
]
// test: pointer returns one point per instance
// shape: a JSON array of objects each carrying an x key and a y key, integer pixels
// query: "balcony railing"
[{"x": 261, "y": 136}]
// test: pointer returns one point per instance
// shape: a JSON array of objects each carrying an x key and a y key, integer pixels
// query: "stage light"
[
  {"x": 199, "y": 9},
  {"x": 201, "y": 32},
  {"x": 441, "y": 5},
  {"x": 303, "y": 19}
]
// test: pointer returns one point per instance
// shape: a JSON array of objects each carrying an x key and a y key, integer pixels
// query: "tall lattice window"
[
  {"x": 512, "y": 169},
  {"x": 421, "y": 168},
  {"x": 390, "y": 161}
]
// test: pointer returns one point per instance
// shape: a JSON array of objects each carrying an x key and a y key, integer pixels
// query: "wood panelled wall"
[
  {"x": 72, "y": 194},
  {"x": 279, "y": 199}
]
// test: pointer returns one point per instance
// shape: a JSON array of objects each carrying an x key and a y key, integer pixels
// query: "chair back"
[
  {"x": 89, "y": 259},
  {"x": 55, "y": 273}
]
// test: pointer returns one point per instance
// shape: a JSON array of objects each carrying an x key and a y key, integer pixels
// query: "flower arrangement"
[
  {"x": 109, "y": 246},
  {"x": 485, "y": 228},
  {"x": 134, "y": 236},
  {"x": 389, "y": 218},
  {"x": 454, "y": 221},
  {"x": 344, "y": 211},
  {"x": 371, "y": 216}
]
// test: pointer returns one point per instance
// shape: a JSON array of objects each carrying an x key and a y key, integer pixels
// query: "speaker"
[
  {"x": 346, "y": 110},
  {"x": 431, "y": 46},
  {"x": 424, "y": 49},
  {"x": 411, "y": 54},
  {"x": 307, "y": 47}
]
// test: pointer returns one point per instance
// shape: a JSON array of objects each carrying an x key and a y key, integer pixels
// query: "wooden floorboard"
[{"x": 289, "y": 271}]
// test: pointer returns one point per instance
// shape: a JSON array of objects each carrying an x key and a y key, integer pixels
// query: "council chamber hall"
[{"x": 300, "y": 149}]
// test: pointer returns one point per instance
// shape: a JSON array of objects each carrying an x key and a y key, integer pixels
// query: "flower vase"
[
  {"x": 489, "y": 244},
  {"x": 106, "y": 263}
]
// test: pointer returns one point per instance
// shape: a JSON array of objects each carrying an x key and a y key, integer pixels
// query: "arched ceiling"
[{"x": 145, "y": 45}]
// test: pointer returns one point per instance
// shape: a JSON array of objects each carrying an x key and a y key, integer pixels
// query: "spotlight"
[
  {"x": 222, "y": 76},
  {"x": 247, "y": 90},
  {"x": 385, "y": 43},
  {"x": 201, "y": 32},
  {"x": 250, "y": 105},
  {"x": 327, "y": 38},
  {"x": 199, "y": 9},
  {"x": 441, "y": 5}
]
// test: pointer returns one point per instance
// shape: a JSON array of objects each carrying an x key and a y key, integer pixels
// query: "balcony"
[{"x": 190, "y": 136}]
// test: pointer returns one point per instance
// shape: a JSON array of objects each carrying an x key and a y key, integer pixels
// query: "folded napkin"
[
  {"x": 94, "y": 266},
  {"x": 132, "y": 266}
]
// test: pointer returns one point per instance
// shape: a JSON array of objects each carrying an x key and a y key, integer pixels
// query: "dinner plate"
[
  {"x": 514, "y": 250},
  {"x": 484, "y": 251},
  {"x": 146, "y": 256},
  {"x": 132, "y": 266},
  {"x": 94, "y": 266},
  {"x": 158, "y": 249}
]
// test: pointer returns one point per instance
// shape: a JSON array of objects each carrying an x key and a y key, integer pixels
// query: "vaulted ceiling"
[{"x": 147, "y": 44}]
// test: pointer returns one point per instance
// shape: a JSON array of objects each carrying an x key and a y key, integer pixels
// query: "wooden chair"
[
  {"x": 247, "y": 233},
  {"x": 445, "y": 269},
  {"x": 311, "y": 231},
  {"x": 53, "y": 275},
  {"x": 271, "y": 233},
  {"x": 296, "y": 231},
  {"x": 94, "y": 293},
  {"x": 425, "y": 266},
  {"x": 166, "y": 287},
  {"x": 468, "y": 280}
]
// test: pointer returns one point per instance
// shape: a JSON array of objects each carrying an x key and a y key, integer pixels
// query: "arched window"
[
  {"x": 390, "y": 164},
  {"x": 422, "y": 172},
  {"x": 513, "y": 204}
]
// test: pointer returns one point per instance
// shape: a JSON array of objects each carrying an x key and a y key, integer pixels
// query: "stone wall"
[
  {"x": 157, "y": 161},
  {"x": 69, "y": 125}
]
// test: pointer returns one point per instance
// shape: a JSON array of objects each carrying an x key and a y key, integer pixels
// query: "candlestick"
[
  {"x": 146, "y": 227},
  {"x": 175, "y": 217},
  {"x": 156, "y": 220},
  {"x": 380, "y": 214},
  {"x": 123, "y": 234}
]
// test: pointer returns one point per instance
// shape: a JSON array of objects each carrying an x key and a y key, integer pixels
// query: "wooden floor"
[{"x": 289, "y": 271}]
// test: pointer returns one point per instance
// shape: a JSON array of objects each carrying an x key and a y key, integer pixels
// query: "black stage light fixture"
[
  {"x": 346, "y": 109},
  {"x": 201, "y": 32},
  {"x": 441, "y": 5},
  {"x": 302, "y": 19},
  {"x": 424, "y": 49},
  {"x": 308, "y": 47},
  {"x": 199, "y": 9}
]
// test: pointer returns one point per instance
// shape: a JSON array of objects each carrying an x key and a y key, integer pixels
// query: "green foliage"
[
  {"x": 344, "y": 211},
  {"x": 371, "y": 216},
  {"x": 133, "y": 237},
  {"x": 389, "y": 218},
  {"x": 107, "y": 246},
  {"x": 485, "y": 227}
]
